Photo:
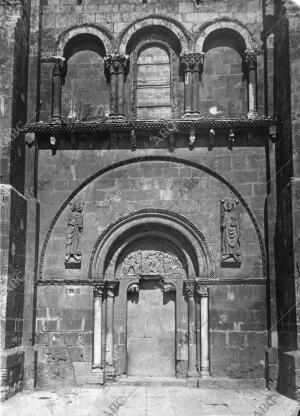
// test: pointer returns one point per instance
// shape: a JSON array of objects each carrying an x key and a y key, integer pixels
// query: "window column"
[
  {"x": 192, "y": 67},
  {"x": 251, "y": 68},
  {"x": 116, "y": 67},
  {"x": 58, "y": 77}
]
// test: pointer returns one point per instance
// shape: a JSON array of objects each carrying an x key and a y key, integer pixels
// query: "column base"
[
  {"x": 110, "y": 372},
  {"x": 252, "y": 115},
  {"x": 96, "y": 377},
  {"x": 192, "y": 373},
  {"x": 191, "y": 114},
  {"x": 56, "y": 120},
  {"x": 115, "y": 117},
  {"x": 204, "y": 373}
]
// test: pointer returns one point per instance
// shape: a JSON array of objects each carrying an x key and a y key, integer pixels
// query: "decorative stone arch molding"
[
  {"x": 151, "y": 158},
  {"x": 176, "y": 28},
  {"x": 98, "y": 31},
  {"x": 137, "y": 220},
  {"x": 224, "y": 23}
]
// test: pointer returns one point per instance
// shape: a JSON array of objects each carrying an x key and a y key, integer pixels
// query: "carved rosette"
[
  {"x": 189, "y": 288},
  {"x": 111, "y": 288},
  {"x": 202, "y": 290},
  {"x": 191, "y": 61},
  {"x": 99, "y": 290},
  {"x": 251, "y": 58},
  {"x": 115, "y": 63}
]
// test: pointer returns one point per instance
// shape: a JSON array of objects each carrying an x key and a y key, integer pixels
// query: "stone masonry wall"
[
  {"x": 64, "y": 315},
  {"x": 14, "y": 38}
]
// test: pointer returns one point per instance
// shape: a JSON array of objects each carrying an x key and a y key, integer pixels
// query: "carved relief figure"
[
  {"x": 132, "y": 263},
  {"x": 154, "y": 262},
  {"x": 151, "y": 262},
  {"x": 230, "y": 231},
  {"x": 73, "y": 236}
]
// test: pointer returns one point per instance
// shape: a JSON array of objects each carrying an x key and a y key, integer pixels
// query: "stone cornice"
[
  {"x": 204, "y": 281},
  {"x": 149, "y": 125}
]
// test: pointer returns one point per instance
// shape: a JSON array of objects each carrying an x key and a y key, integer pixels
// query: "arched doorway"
[
  {"x": 151, "y": 265},
  {"x": 152, "y": 261}
]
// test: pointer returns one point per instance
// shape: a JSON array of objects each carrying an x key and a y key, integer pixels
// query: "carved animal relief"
[
  {"x": 230, "y": 232},
  {"x": 73, "y": 236}
]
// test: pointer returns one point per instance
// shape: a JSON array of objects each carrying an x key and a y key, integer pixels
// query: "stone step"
[{"x": 155, "y": 381}]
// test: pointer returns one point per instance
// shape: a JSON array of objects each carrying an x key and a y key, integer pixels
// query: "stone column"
[
  {"x": 97, "y": 353},
  {"x": 192, "y": 66},
  {"x": 57, "y": 82},
  {"x": 251, "y": 68},
  {"x": 189, "y": 288},
  {"x": 110, "y": 294},
  {"x": 116, "y": 67},
  {"x": 202, "y": 291}
]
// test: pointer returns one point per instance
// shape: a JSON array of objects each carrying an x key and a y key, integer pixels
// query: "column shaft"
[
  {"x": 189, "y": 286},
  {"x": 109, "y": 329},
  {"x": 113, "y": 93},
  {"x": 57, "y": 88},
  {"x": 120, "y": 100},
  {"x": 97, "y": 357},
  {"x": 251, "y": 62},
  {"x": 195, "y": 108},
  {"x": 188, "y": 92},
  {"x": 204, "y": 337},
  {"x": 252, "y": 91}
]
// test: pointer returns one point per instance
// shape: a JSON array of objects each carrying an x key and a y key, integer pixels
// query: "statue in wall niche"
[
  {"x": 73, "y": 236},
  {"x": 230, "y": 231}
]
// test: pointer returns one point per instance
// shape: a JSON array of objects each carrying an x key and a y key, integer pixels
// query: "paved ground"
[{"x": 150, "y": 401}]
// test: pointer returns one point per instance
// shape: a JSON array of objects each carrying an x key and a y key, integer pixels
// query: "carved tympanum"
[
  {"x": 230, "y": 231},
  {"x": 151, "y": 262},
  {"x": 73, "y": 236}
]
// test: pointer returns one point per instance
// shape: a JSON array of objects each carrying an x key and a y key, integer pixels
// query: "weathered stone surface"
[{"x": 53, "y": 325}]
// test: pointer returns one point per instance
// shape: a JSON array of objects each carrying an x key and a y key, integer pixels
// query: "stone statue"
[
  {"x": 230, "y": 231},
  {"x": 75, "y": 227}
]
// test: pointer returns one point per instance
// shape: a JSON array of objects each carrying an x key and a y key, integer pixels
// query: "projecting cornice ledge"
[{"x": 176, "y": 125}]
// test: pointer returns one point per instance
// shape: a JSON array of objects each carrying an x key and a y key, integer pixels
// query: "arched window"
[
  {"x": 153, "y": 83},
  {"x": 85, "y": 94},
  {"x": 224, "y": 86}
]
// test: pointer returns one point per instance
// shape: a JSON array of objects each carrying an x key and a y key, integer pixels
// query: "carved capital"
[
  {"x": 168, "y": 288},
  {"x": 133, "y": 288},
  {"x": 59, "y": 68},
  {"x": 251, "y": 58},
  {"x": 189, "y": 287},
  {"x": 111, "y": 287},
  {"x": 202, "y": 290},
  {"x": 116, "y": 63},
  {"x": 99, "y": 290},
  {"x": 192, "y": 61}
]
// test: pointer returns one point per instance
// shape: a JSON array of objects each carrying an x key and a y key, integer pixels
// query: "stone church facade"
[{"x": 150, "y": 193}]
